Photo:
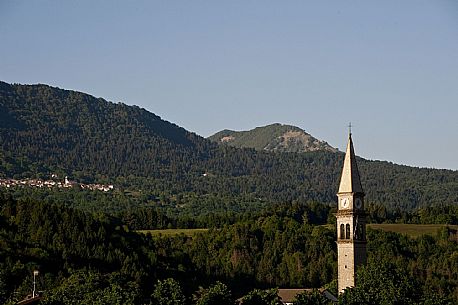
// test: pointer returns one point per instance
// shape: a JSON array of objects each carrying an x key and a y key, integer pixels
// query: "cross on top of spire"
[{"x": 349, "y": 127}]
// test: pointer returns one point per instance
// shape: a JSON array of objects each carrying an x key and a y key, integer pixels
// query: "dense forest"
[
  {"x": 86, "y": 258},
  {"x": 141, "y": 212},
  {"x": 46, "y": 130}
]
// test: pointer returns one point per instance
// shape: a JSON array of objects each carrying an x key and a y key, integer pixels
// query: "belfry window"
[
  {"x": 342, "y": 231},
  {"x": 347, "y": 231}
]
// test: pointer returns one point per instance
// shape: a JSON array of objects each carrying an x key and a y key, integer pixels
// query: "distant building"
[{"x": 36, "y": 183}]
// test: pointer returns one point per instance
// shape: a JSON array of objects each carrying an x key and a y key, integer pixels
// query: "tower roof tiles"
[{"x": 350, "y": 181}]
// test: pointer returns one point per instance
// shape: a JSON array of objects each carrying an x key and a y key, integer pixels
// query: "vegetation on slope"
[
  {"x": 274, "y": 137},
  {"x": 48, "y": 128},
  {"x": 45, "y": 130}
]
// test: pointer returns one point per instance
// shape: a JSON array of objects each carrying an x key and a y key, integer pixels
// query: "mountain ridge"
[{"x": 46, "y": 130}]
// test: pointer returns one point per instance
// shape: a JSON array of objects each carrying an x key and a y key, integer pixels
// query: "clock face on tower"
[
  {"x": 358, "y": 203},
  {"x": 344, "y": 203}
]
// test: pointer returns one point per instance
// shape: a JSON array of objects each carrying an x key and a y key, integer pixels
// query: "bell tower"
[{"x": 351, "y": 221}]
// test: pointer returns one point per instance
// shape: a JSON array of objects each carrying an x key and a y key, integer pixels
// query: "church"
[
  {"x": 351, "y": 229},
  {"x": 351, "y": 222}
]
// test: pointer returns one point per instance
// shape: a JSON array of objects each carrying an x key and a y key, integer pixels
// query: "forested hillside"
[{"x": 45, "y": 130}]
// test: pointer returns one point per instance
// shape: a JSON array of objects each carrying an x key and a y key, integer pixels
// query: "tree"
[
  {"x": 217, "y": 294},
  {"x": 434, "y": 299},
  {"x": 383, "y": 283},
  {"x": 352, "y": 296},
  {"x": 168, "y": 292},
  {"x": 3, "y": 287},
  {"x": 313, "y": 297},
  {"x": 92, "y": 288},
  {"x": 262, "y": 297}
]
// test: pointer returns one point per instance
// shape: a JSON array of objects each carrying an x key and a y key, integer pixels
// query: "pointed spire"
[{"x": 350, "y": 181}]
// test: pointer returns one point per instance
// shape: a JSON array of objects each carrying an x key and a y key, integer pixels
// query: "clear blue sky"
[{"x": 389, "y": 67}]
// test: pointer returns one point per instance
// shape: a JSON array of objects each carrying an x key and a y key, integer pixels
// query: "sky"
[{"x": 389, "y": 67}]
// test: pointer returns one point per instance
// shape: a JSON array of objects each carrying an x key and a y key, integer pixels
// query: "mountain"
[
  {"x": 274, "y": 137},
  {"x": 46, "y": 130}
]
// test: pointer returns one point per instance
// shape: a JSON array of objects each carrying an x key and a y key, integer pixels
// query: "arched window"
[
  {"x": 347, "y": 231},
  {"x": 342, "y": 231}
]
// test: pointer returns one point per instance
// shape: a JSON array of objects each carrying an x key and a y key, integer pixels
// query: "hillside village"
[{"x": 53, "y": 183}]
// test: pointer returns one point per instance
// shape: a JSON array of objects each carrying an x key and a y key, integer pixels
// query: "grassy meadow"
[{"x": 413, "y": 230}]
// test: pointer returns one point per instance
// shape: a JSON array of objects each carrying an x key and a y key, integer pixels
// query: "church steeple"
[
  {"x": 351, "y": 222},
  {"x": 350, "y": 181}
]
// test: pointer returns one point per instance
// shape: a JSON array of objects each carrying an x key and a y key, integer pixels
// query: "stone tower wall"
[{"x": 346, "y": 265}]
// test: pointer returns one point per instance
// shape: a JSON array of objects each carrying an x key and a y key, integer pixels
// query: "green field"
[
  {"x": 169, "y": 232},
  {"x": 412, "y": 230}
]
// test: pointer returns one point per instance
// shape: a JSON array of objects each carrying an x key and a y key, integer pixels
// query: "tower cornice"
[
  {"x": 351, "y": 213},
  {"x": 351, "y": 241},
  {"x": 351, "y": 193}
]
